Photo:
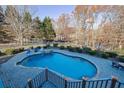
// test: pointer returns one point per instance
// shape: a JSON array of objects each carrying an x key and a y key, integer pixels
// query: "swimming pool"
[
  {"x": 72, "y": 67},
  {"x": 1, "y": 84}
]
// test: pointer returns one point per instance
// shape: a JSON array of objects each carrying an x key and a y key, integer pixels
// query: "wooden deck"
[{"x": 48, "y": 84}]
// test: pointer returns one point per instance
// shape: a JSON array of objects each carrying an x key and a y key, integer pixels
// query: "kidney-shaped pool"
[{"x": 73, "y": 67}]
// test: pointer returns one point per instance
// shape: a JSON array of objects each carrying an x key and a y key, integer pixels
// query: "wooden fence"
[{"x": 61, "y": 82}]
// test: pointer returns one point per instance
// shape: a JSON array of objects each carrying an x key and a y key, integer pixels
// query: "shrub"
[
  {"x": 78, "y": 49},
  {"x": 31, "y": 47},
  {"x": 111, "y": 54},
  {"x": 102, "y": 54},
  {"x": 9, "y": 51},
  {"x": 47, "y": 46},
  {"x": 93, "y": 52},
  {"x": 86, "y": 49},
  {"x": 121, "y": 58},
  {"x": 55, "y": 45},
  {"x": 98, "y": 53},
  {"x": 62, "y": 47},
  {"x": 21, "y": 49},
  {"x": 70, "y": 48},
  {"x": 15, "y": 51},
  {"x": 1, "y": 53},
  {"x": 74, "y": 49},
  {"x": 44, "y": 47},
  {"x": 38, "y": 47}
]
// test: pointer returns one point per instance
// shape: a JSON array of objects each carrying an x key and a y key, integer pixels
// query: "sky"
[{"x": 53, "y": 11}]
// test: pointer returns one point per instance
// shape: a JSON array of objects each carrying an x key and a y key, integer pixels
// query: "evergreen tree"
[
  {"x": 47, "y": 29},
  {"x": 36, "y": 23},
  {"x": 27, "y": 18},
  {"x": 1, "y": 16},
  {"x": 36, "y": 27}
]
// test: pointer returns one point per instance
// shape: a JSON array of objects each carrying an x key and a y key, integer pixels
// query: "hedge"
[
  {"x": 86, "y": 49},
  {"x": 112, "y": 54},
  {"x": 62, "y": 47},
  {"x": 55, "y": 45},
  {"x": 11, "y": 51},
  {"x": 121, "y": 58}
]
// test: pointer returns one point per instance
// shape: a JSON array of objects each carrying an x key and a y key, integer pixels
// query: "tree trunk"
[{"x": 20, "y": 39}]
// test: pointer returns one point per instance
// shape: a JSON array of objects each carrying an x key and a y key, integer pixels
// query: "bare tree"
[
  {"x": 15, "y": 16},
  {"x": 61, "y": 24}
]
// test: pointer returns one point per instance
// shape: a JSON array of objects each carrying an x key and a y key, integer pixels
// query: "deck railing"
[
  {"x": 37, "y": 81},
  {"x": 105, "y": 83},
  {"x": 119, "y": 85},
  {"x": 62, "y": 82},
  {"x": 7, "y": 83},
  {"x": 55, "y": 78},
  {"x": 74, "y": 84}
]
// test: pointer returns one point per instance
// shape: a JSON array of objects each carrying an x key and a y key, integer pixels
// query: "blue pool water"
[
  {"x": 72, "y": 67},
  {"x": 1, "y": 84}
]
